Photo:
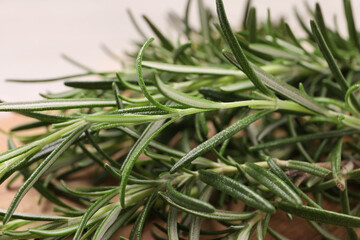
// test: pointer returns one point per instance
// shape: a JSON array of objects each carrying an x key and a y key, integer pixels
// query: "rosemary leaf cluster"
[{"x": 257, "y": 116}]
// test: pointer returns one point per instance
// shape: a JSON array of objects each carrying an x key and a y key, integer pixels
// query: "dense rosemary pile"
[{"x": 219, "y": 115}]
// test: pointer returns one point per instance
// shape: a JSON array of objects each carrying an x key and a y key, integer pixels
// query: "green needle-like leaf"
[
  {"x": 252, "y": 25},
  {"x": 164, "y": 41},
  {"x": 34, "y": 217},
  {"x": 281, "y": 87},
  {"x": 185, "y": 69},
  {"x": 130, "y": 119},
  {"x": 218, "y": 139},
  {"x": 195, "y": 227},
  {"x": 324, "y": 31},
  {"x": 107, "y": 223},
  {"x": 308, "y": 168},
  {"x": 136, "y": 25},
  {"x": 119, "y": 102},
  {"x": 354, "y": 174},
  {"x": 335, "y": 159},
  {"x": 48, "y": 118},
  {"x": 122, "y": 219},
  {"x": 329, "y": 56},
  {"x": 303, "y": 138},
  {"x": 184, "y": 98},
  {"x": 237, "y": 51},
  {"x": 57, "y": 232},
  {"x": 149, "y": 134},
  {"x": 172, "y": 224},
  {"x": 141, "y": 80},
  {"x": 56, "y": 104},
  {"x": 246, "y": 14},
  {"x": 205, "y": 26},
  {"x": 345, "y": 205},
  {"x": 272, "y": 182},
  {"x": 144, "y": 214},
  {"x": 280, "y": 173},
  {"x": 298, "y": 144},
  {"x": 236, "y": 190},
  {"x": 60, "y": 78},
  {"x": 100, "y": 202},
  {"x": 99, "y": 84},
  {"x": 102, "y": 152},
  {"x": 187, "y": 201},
  {"x": 320, "y": 215},
  {"x": 353, "y": 34},
  {"x": 216, "y": 215}
]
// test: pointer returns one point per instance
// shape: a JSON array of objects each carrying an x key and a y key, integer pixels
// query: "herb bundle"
[{"x": 220, "y": 115}]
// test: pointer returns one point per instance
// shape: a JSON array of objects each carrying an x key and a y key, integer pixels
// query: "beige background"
[{"x": 33, "y": 34}]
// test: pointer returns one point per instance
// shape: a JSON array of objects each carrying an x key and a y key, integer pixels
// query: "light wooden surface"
[{"x": 295, "y": 229}]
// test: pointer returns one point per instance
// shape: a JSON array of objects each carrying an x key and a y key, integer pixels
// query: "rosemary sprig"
[{"x": 269, "y": 123}]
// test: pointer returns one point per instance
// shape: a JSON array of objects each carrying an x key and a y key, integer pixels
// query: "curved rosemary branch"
[{"x": 192, "y": 126}]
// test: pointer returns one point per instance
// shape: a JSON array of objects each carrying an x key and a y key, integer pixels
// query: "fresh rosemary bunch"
[{"x": 219, "y": 115}]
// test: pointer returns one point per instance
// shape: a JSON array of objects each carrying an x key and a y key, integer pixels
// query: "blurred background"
[{"x": 34, "y": 34}]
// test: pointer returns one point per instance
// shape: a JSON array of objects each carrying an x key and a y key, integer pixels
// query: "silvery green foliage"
[{"x": 222, "y": 114}]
